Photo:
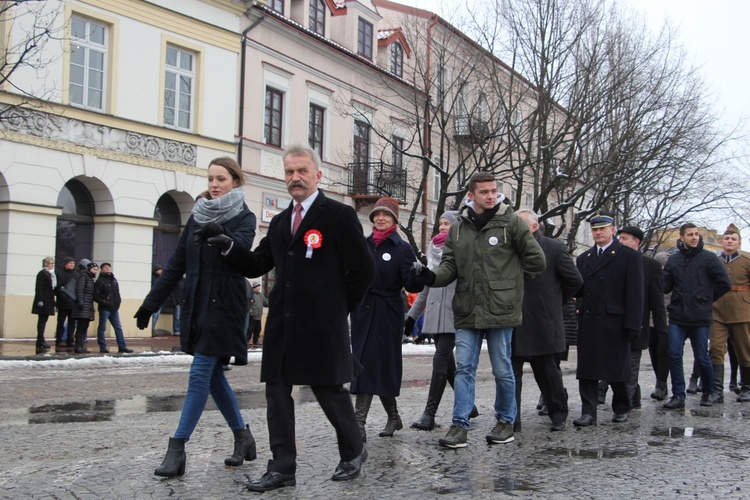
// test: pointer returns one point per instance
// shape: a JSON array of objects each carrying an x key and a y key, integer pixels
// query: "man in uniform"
[
  {"x": 611, "y": 313},
  {"x": 732, "y": 317}
]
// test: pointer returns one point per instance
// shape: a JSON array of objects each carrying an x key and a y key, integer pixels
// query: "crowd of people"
[{"x": 491, "y": 274}]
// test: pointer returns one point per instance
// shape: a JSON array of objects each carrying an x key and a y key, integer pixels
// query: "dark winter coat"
[
  {"x": 44, "y": 293},
  {"x": 611, "y": 302},
  {"x": 306, "y": 338},
  {"x": 214, "y": 303},
  {"x": 378, "y": 320},
  {"x": 84, "y": 306},
  {"x": 696, "y": 278},
  {"x": 654, "y": 304},
  {"x": 488, "y": 266},
  {"x": 107, "y": 292},
  {"x": 542, "y": 330},
  {"x": 64, "y": 301}
]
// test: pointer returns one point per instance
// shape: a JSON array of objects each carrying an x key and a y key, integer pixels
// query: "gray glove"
[
  {"x": 222, "y": 242},
  {"x": 206, "y": 231},
  {"x": 40, "y": 304},
  {"x": 423, "y": 273}
]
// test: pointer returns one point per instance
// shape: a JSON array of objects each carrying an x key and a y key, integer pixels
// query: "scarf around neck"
[
  {"x": 380, "y": 236},
  {"x": 221, "y": 209}
]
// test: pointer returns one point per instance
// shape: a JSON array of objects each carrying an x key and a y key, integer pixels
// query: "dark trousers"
[
  {"x": 337, "y": 406},
  {"x": 658, "y": 350},
  {"x": 443, "y": 361},
  {"x": 82, "y": 325},
  {"x": 62, "y": 316},
  {"x": 549, "y": 378},
  {"x": 589, "y": 390},
  {"x": 635, "y": 368},
  {"x": 41, "y": 323},
  {"x": 256, "y": 331}
]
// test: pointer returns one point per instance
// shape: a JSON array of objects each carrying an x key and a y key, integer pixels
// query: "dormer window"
[
  {"x": 397, "y": 59},
  {"x": 276, "y": 5},
  {"x": 364, "y": 39},
  {"x": 318, "y": 16}
]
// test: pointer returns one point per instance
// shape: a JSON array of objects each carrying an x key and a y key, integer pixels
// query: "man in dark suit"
[
  {"x": 611, "y": 313},
  {"x": 323, "y": 269},
  {"x": 653, "y": 307}
]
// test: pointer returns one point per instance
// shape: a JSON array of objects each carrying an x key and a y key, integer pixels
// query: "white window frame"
[
  {"x": 88, "y": 46},
  {"x": 180, "y": 73}
]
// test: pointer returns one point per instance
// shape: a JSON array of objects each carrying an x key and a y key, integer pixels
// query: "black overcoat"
[
  {"x": 378, "y": 320},
  {"x": 653, "y": 286},
  {"x": 542, "y": 330},
  {"x": 64, "y": 301},
  {"x": 306, "y": 338},
  {"x": 84, "y": 305},
  {"x": 214, "y": 298},
  {"x": 611, "y": 302},
  {"x": 44, "y": 293}
]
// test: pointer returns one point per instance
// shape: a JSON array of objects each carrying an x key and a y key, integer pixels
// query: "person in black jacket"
[
  {"x": 107, "y": 295},
  {"x": 44, "y": 300},
  {"x": 696, "y": 279},
  {"x": 83, "y": 311},
  {"x": 65, "y": 302},
  {"x": 214, "y": 308}
]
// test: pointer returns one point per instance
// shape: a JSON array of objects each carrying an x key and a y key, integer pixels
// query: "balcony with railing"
[
  {"x": 470, "y": 128},
  {"x": 371, "y": 180}
]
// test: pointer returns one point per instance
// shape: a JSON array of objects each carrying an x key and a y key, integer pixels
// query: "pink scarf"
[
  {"x": 380, "y": 236},
  {"x": 439, "y": 240}
]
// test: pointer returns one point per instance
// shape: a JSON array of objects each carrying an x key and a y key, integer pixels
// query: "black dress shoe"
[
  {"x": 620, "y": 418},
  {"x": 558, "y": 427},
  {"x": 585, "y": 421},
  {"x": 350, "y": 469},
  {"x": 125, "y": 350},
  {"x": 674, "y": 403},
  {"x": 104, "y": 351},
  {"x": 271, "y": 480}
]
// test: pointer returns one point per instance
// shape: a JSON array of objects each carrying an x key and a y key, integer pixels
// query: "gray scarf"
[{"x": 221, "y": 209}]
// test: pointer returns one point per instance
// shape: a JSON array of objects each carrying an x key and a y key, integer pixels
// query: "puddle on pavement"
[
  {"x": 105, "y": 410},
  {"x": 688, "y": 432},
  {"x": 597, "y": 453}
]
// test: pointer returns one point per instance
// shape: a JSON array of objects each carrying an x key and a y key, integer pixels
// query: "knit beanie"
[
  {"x": 450, "y": 215},
  {"x": 84, "y": 263},
  {"x": 385, "y": 204}
]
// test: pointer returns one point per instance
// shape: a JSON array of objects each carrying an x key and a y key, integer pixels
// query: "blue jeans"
[
  {"x": 154, "y": 319},
  {"x": 698, "y": 336},
  {"x": 207, "y": 376},
  {"x": 114, "y": 318},
  {"x": 176, "y": 319},
  {"x": 468, "y": 347}
]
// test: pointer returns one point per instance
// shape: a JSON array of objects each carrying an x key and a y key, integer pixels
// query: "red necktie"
[{"x": 297, "y": 218}]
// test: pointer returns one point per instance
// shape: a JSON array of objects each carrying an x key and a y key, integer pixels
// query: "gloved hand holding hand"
[
  {"x": 423, "y": 273},
  {"x": 633, "y": 336},
  {"x": 222, "y": 242},
  {"x": 409, "y": 326},
  {"x": 142, "y": 317},
  {"x": 208, "y": 230}
]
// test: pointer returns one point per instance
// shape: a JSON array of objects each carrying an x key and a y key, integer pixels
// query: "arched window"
[
  {"x": 75, "y": 227},
  {"x": 397, "y": 59},
  {"x": 167, "y": 232}
]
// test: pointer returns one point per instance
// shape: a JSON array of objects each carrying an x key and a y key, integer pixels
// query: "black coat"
[
  {"x": 611, "y": 302},
  {"x": 44, "y": 293},
  {"x": 378, "y": 320},
  {"x": 696, "y": 278},
  {"x": 654, "y": 302},
  {"x": 107, "y": 292},
  {"x": 306, "y": 339},
  {"x": 84, "y": 306},
  {"x": 64, "y": 301},
  {"x": 542, "y": 330},
  {"x": 214, "y": 303}
]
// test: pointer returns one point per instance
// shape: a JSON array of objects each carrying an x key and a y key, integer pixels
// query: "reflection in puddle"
[
  {"x": 105, "y": 410},
  {"x": 688, "y": 432},
  {"x": 591, "y": 453}
]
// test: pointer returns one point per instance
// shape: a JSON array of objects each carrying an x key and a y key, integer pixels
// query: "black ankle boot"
[
  {"x": 361, "y": 409},
  {"x": 437, "y": 385},
  {"x": 394, "y": 420},
  {"x": 244, "y": 448},
  {"x": 174, "y": 462}
]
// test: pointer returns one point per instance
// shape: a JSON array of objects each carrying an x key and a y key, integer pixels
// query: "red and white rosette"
[{"x": 313, "y": 239}]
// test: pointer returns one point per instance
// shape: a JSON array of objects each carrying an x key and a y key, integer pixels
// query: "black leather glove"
[
  {"x": 423, "y": 273},
  {"x": 222, "y": 242},
  {"x": 206, "y": 231},
  {"x": 409, "y": 326},
  {"x": 634, "y": 336},
  {"x": 142, "y": 318}
]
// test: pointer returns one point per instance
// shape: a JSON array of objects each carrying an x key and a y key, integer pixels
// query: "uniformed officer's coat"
[
  {"x": 611, "y": 302},
  {"x": 734, "y": 306}
]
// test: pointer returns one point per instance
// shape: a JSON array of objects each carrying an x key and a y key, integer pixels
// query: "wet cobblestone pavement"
[{"x": 98, "y": 431}]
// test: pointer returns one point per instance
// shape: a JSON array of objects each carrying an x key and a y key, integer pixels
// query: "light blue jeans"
[
  {"x": 207, "y": 376},
  {"x": 468, "y": 347},
  {"x": 114, "y": 318}
]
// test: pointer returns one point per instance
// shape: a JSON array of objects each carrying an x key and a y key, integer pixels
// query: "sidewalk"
[{"x": 26, "y": 349}]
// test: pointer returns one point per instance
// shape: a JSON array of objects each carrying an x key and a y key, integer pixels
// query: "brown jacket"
[{"x": 734, "y": 306}]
